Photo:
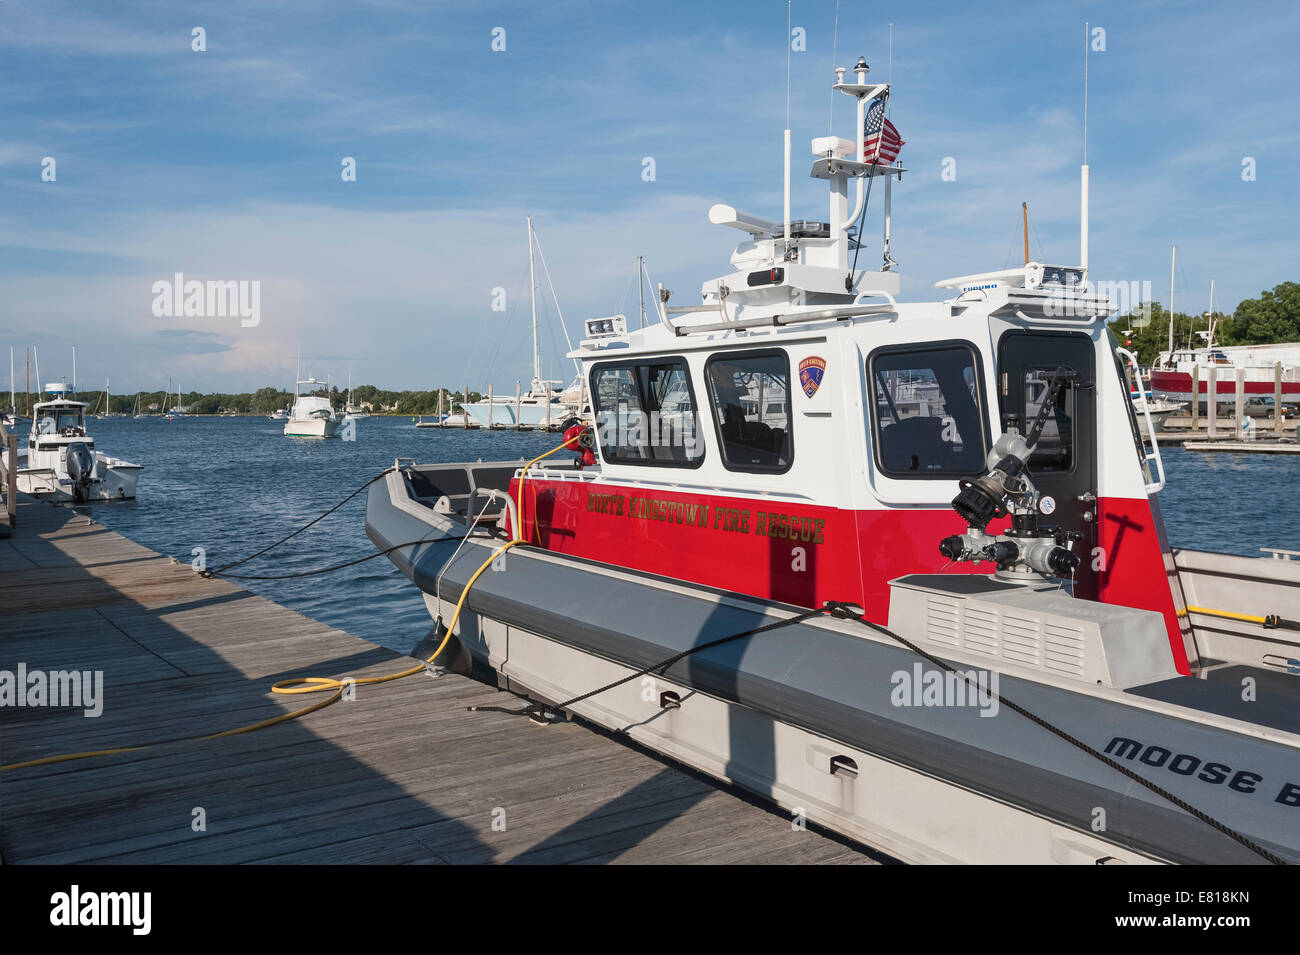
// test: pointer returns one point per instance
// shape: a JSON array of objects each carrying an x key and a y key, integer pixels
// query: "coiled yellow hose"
[{"x": 318, "y": 684}]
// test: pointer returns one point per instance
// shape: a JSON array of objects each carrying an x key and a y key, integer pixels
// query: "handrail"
[
  {"x": 1153, "y": 487},
  {"x": 790, "y": 318}
]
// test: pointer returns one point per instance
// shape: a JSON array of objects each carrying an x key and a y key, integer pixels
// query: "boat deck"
[{"x": 401, "y": 774}]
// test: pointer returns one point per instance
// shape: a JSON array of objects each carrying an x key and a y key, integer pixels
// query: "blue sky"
[{"x": 225, "y": 164}]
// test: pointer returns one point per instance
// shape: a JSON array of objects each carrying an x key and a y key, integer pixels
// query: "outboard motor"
[{"x": 80, "y": 462}]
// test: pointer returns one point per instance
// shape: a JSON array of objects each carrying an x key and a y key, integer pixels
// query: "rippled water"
[{"x": 232, "y": 485}]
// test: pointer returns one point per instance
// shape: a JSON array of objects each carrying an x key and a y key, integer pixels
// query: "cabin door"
[{"x": 1064, "y": 464}]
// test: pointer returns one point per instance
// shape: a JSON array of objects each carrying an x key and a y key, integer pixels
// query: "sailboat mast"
[
  {"x": 1024, "y": 211},
  {"x": 532, "y": 296},
  {"x": 1173, "y": 257},
  {"x": 640, "y": 285},
  {"x": 1209, "y": 342}
]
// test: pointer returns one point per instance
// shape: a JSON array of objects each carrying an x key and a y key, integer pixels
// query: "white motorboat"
[
  {"x": 1158, "y": 410},
  {"x": 60, "y": 462},
  {"x": 928, "y": 602},
  {"x": 312, "y": 416},
  {"x": 279, "y": 414}
]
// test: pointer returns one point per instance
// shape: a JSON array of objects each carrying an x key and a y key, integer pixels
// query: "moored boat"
[
  {"x": 895, "y": 566},
  {"x": 60, "y": 462}
]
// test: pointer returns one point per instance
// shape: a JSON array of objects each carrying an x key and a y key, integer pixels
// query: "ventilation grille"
[{"x": 1043, "y": 644}]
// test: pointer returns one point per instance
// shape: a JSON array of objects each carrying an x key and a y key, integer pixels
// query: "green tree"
[{"x": 1273, "y": 317}]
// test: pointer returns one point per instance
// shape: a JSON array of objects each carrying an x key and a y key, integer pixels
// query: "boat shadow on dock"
[{"x": 401, "y": 774}]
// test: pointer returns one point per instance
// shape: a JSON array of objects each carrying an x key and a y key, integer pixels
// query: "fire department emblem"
[{"x": 811, "y": 371}]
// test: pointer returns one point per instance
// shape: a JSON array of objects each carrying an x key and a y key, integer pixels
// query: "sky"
[{"x": 226, "y": 164}]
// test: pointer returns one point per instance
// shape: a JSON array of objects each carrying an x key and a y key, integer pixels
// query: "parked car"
[{"x": 1259, "y": 406}]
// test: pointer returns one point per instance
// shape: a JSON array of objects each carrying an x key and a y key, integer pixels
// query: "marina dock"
[
  {"x": 1243, "y": 447},
  {"x": 401, "y": 774}
]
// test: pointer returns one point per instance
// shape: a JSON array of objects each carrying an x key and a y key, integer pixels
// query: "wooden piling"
[
  {"x": 1277, "y": 400},
  {"x": 1212, "y": 403}
]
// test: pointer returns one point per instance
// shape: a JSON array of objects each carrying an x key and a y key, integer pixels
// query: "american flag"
[{"x": 882, "y": 139}]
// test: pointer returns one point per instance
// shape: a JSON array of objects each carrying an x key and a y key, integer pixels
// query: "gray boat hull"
[{"x": 823, "y": 693}]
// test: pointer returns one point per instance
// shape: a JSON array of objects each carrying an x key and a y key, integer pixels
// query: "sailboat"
[
  {"x": 9, "y": 418},
  {"x": 351, "y": 410},
  {"x": 541, "y": 406}
]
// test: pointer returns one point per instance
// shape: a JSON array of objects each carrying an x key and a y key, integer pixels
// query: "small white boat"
[
  {"x": 60, "y": 462},
  {"x": 1160, "y": 410},
  {"x": 279, "y": 414},
  {"x": 312, "y": 417}
]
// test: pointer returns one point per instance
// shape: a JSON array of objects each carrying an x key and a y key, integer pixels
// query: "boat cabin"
[
  {"x": 57, "y": 423},
  {"x": 801, "y": 435}
]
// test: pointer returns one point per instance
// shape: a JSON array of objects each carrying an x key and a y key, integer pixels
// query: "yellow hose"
[
  {"x": 318, "y": 684},
  {"x": 523, "y": 476},
  {"x": 1228, "y": 615}
]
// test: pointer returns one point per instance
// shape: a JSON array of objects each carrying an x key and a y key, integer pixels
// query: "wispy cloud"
[{"x": 226, "y": 164}]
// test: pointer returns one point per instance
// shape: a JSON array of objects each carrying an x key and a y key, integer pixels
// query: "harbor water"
[{"x": 233, "y": 485}]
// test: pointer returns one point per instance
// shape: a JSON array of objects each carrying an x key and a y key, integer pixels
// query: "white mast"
[
  {"x": 1209, "y": 342},
  {"x": 532, "y": 296},
  {"x": 1173, "y": 256},
  {"x": 74, "y": 372},
  {"x": 1083, "y": 169},
  {"x": 786, "y": 167},
  {"x": 13, "y": 402},
  {"x": 640, "y": 278}
]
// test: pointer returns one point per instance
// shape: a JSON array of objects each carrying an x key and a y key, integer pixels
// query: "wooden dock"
[
  {"x": 1243, "y": 447},
  {"x": 401, "y": 774}
]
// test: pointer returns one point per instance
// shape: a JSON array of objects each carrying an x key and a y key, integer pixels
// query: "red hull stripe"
[
  {"x": 1226, "y": 384},
  {"x": 807, "y": 554}
]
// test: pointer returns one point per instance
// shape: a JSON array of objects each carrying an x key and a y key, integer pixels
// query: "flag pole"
[
  {"x": 1083, "y": 170},
  {"x": 786, "y": 168}
]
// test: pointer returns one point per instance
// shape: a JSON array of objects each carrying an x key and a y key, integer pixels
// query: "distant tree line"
[
  {"x": 265, "y": 401},
  {"x": 1273, "y": 317}
]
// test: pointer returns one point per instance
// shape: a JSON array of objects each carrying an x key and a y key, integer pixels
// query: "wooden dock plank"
[{"x": 401, "y": 774}]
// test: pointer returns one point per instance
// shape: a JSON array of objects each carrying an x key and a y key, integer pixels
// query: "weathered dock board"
[{"x": 401, "y": 774}]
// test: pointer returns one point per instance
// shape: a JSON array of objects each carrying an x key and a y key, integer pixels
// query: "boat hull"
[
  {"x": 115, "y": 480},
  {"x": 1178, "y": 384},
  {"x": 504, "y": 414},
  {"x": 311, "y": 427},
  {"x": 781, "y": 713}
]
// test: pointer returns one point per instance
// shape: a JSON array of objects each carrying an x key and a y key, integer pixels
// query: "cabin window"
[
  {"x": 750, "y": 393},
  {"x": 55, "y": 420},
  {"x": 645, "y": 413},
  {"x": 1055, "y": 448},
  {"x": 927, "y": 413}
]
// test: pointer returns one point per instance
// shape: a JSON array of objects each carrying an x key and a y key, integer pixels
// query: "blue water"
[{"x": 233, "y": 485}]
